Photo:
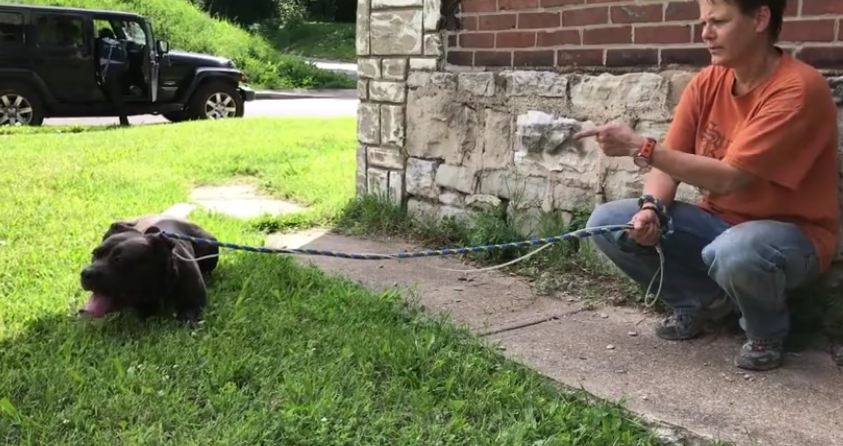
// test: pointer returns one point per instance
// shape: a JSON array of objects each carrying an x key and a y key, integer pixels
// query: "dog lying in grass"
[{"x": 136, "y": 268}]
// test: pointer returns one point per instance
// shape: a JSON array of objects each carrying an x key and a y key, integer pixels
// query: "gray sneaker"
[
  {"x": 760, "y": 354},
  {"x": 682, "y": 326},
  {"x": 679, "y": 327}
]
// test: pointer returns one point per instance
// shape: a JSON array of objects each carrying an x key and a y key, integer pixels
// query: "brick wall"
[{"x": 620, "y": 33}]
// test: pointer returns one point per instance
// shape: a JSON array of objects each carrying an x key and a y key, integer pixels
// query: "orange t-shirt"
[{"x": 784, "y": 132}]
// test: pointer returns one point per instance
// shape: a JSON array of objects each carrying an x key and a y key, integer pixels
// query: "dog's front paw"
[{"x": 190, "y": 316}]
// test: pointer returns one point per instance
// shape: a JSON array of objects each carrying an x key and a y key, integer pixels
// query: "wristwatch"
[{"x": 644, "y": 155}]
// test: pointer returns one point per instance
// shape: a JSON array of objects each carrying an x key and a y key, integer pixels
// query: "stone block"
[
  {"x": 368, "y": 123},
  {"x": 451, "y": 199},
  {"x": 459, "y": 178},
  {"x": 395, "y": 69},
  {"x": 424, "y": 63},
  {"x": 361, "y": 169},
  {"x": 478, "y": 84},
  {"x": 396, "y": 186},
  {"x": 377, "y": 182},
  {"x": 441, "y": 128},
  {"x": 421, "y": 177},
  {"x": 677, "y": 81},
  {"x": 433, "y": 44},
  {"x": 393, "y": 128},
  {"x": 362, "y": 44},
  {"x": 368, "y": 67},
  {"x": 483, "y": 202},
  {"x": 385, "y": 157},
  {"x": 395, "y": 33},
  {"x": 363, "y": 89},
  {"x": 432, "y": 13},
  {"x": 536, "y": 83},
  {"x": 382, "y": 91},
  {"x": 640, "y": 95}
]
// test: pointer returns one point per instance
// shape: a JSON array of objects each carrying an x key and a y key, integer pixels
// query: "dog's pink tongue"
[{"x": 98, "y": 305}]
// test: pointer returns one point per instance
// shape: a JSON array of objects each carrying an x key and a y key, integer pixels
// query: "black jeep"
[{"x": 48, "y": 68}]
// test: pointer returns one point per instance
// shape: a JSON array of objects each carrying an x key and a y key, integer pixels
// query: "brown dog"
[{"x": 137, "y": 268}]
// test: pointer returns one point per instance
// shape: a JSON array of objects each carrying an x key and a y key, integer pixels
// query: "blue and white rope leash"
[{"x": 545, "y": 241}]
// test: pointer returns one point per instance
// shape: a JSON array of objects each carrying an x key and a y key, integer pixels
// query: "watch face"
[{"x": 640, "y": 161}]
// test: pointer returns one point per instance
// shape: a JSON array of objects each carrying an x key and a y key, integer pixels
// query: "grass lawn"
[{"x": 286, "y": 355}]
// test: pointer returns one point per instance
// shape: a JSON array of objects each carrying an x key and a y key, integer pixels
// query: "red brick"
[
  {"x": 840, "y": 30},
  {"x": 554, "y": 3},
  {"x": 791, "y": 9},
  {"x": 493, "y": 58},
  {"x": 495, "y": 22},
  {"x": 478, "y": 6},
  {"x": 561, "y": 37},
  {"x": 696, "y": 33},
  {"x": 579, "y": 58},
  {"x": 632, "y": 57},
  {"x": 587, "y": 16},
  {"x": 808, "y": 30},
  {"x": 533, "y": 58},
  {"x": 533, "y": 20},
  {"x": 603, "y": 1},
  {"x": 637, "y": 14},
  {"x": 517, "y": 5},
  {"x": 685, "y": 56},
  {"x": 823, "y": 57},
  {"x": 682, "y": 11},
  {"x": 515, "y": 39},
  {"x": 611, "y": 34},
  {"x": 477, "y": 40},
  {"x": 469, "y": 23},
  {"x": 452, "y": 40},
  {"x": 663, "y": 34},
  {"x": 465, "y": 58},
  {"x": 816, "y": 7}
]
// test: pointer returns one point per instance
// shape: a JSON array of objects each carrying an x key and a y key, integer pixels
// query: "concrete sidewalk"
[{"x": 612, "y": 352}]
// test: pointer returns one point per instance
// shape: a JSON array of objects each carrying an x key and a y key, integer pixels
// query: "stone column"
[{"x": 394, "y": 38}]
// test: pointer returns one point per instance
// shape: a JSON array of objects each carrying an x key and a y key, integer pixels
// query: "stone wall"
[{"x": 449, "y": 141}]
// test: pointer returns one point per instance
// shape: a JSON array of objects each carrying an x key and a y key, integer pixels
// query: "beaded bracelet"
[{"x": 665, "y": 221}]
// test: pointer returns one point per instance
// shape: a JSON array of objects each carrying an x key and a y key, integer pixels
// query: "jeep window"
[
  {"x": 59, "y": 32},
  {"x": 11, "y": 29},
  {"x": 134, "y": 32}
]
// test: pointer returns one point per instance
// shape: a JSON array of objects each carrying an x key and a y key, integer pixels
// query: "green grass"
[
  {"x": 286, "y": 355},
  {"x": 190, "y": 29},
  {"x": 321, "y": 40}
]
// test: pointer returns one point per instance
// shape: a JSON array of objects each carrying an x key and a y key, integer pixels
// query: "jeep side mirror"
[{"x": 163, "y": 47}]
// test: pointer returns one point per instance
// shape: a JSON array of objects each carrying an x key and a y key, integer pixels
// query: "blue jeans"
[{"x": 754, "y": 263}]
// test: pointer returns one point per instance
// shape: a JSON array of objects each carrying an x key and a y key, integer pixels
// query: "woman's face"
[{"x": 730, "y": 35}]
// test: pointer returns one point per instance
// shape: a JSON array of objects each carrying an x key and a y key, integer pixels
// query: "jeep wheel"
[
  {"x": 20, "y": 106},
  {"x": 216, "y": 100}
]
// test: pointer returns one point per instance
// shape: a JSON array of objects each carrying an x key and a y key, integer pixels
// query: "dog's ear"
[
  {"x": 117, "y": 227},
  {"x": 164, "y": 249}
]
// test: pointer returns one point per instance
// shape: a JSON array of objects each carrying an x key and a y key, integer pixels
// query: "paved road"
[{"x": 343, "y": 105}]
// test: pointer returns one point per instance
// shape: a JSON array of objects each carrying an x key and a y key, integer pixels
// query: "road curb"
[{"x": 307, "y": 94}]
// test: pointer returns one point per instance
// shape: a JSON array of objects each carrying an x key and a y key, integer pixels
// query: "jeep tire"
[
  {"x": 20, "y": 105},
  {"x": 215, "y": 100}
]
